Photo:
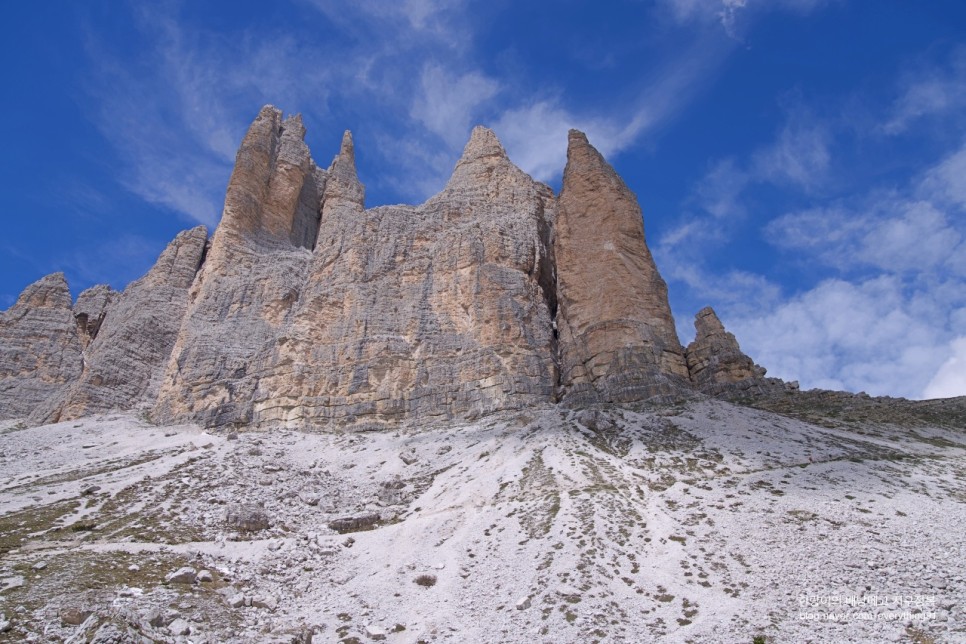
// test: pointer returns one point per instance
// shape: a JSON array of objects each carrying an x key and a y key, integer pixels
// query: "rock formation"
[
  {"x": 123, "y": 363},
  {"x": 252, "y": 275},
  {"x": 617, "y": 336},
  {"x": 40, "y": 351},
  {"x": 437, "y": 310},
  {"x": 306, "y": 309},
  {"x": 715, "y": 360}
]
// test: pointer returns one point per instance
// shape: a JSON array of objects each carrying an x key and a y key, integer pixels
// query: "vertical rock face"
[
  {"x": 40, "y": 351},
  {"x": 715, "y": 360},
  {"x": 272, "y": 197},
  {"x": 438, "y": 310},
  {"x": 123, "y": 363},
  {"x": 617, "y": 336},
  {"x": 253, "y": 274}
]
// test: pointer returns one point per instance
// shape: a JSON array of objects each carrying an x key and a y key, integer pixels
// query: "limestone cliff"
[
  {"x": 122, "y": 364},
  {"x": 617, "y": 336},
  {"x": 40, "y": 351},
  {"x": 430, "y": 311},
  {"x": 253, "y": 274},
  {"x": 436, "y": 310},
  {"x": 306, "y": 309}
]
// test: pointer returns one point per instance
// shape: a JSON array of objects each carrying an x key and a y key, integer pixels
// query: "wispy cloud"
[
  {"x": 534, "y": 132},
  {"x": 176, "y": 113},
  {"x": 860, "y": 336},
  {"x": 448, "y": 103},
  {"x": 889, "y": 319},
  {"x": 730, "y": 13},
  {"x": 899, "y": 331},
  {"x": 889, "y": 234},
  {"x": 799, "y": 156},
  {"x": 929, "y": 90}
]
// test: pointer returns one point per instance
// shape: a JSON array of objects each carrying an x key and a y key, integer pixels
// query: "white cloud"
[
  {"x": 888, "y": 233},
  {"x": 799, "y": 156},
  {"x": 719, "y": 192},
  {"x": 887, "y": 324},
  {"x": 864, "y": 336},
  {"x": 449, "y": 103},
  {"x": 928, "y": 91},
  {"x": 893, "y": 333},
  {"x": 535, "y": 136},
  {"x": 534, "y": 132},
  {"x": 946, "y": 182},
  {"x": 176, "y": 113},
  {"x": 728, "y": 12},
  {"x": 950, "y": 379}
]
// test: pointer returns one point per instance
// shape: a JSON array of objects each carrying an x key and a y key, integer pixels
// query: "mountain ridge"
[{"x": 306, "y": 309}]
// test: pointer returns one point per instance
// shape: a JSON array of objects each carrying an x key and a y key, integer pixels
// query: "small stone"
[
  {"x": 375, "y": 632},
  {"x": 90, "y": 489},
  {"x": 310, "y": 498},
  {"x": 265, "y": 601},
  {"x": 408, "y": 458},
  {"x": 523, "y": 603},
  {"x": 247, "y": 518},
  {"x": 134, "y": 568},
  {"x": 5, "y": 626},
  {"x": 155, "y": 618},
  {"x": 74, "y": 616},
  {"x": 179, "y": 627},
  {"x": 186, "y": 575},
  {"x": 205, "y": 576},
  {"x": 354, "y": 524},
  {"x": 236, "y": 601},
  {"x": 40, "y": 565}
]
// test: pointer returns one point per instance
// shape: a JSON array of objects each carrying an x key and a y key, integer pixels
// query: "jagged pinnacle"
[{"x": 483, "y": 143}]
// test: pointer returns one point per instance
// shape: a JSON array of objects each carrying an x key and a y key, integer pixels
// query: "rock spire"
[
  {"x": 617, "y": 336},
  {"x": 715, "y": 360}
]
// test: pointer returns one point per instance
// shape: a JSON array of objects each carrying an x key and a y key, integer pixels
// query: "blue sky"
[{"x": 801, "y": 163}]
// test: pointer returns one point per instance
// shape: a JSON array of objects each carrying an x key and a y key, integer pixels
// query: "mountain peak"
[{"x": 483, "y": 143}]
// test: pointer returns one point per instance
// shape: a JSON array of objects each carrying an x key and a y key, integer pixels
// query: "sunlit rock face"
[
  {"x": 617, "y": 337},
  {"x": 438, "y": 310},
  {"x": 306, "y": 309}
]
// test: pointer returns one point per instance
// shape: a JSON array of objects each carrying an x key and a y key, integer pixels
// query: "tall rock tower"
[{"x": 617, "y": 336}]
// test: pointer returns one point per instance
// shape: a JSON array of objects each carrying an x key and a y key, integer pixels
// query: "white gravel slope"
[{"x": 701, "y": 522}]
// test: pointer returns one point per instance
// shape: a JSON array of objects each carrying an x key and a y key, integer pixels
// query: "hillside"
[{"x": 697, "y": 521}]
